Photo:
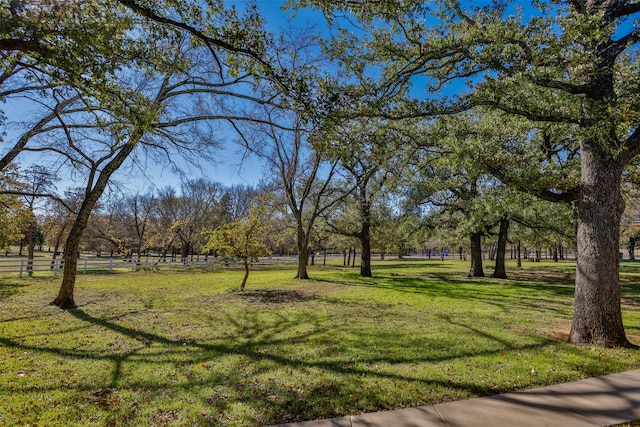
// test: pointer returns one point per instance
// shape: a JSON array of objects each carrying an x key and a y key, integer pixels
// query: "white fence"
[{"x": 23, "y": 266}]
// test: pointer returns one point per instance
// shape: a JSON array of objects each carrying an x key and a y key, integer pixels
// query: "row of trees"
[
  {"x": 540, "y": 102},
  {"x": 179, "y": 224}
]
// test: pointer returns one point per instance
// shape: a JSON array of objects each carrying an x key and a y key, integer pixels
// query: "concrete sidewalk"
[{"x": 601, "y": 401}]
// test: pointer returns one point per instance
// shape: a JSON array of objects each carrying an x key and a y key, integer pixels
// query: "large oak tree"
[{"x": 570, "y": 63}]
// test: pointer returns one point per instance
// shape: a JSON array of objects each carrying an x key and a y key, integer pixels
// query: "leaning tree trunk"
[
  {"x": 476, "y": 256},
  {"x": 246, "y": 272},
  {"x": 597, "y": 316},
  {"x": 500, "y": 271},
  {"x": 65, "y": 299}
]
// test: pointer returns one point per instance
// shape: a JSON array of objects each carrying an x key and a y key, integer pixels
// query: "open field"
[{"x": 185, "y": 348}]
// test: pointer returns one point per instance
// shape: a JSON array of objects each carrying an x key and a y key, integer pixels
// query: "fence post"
[
  {"x": 21, "y": 267},
  {"x": 85, "y": 266}
]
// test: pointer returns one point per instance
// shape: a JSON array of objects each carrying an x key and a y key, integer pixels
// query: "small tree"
[{"x": 242, "y": 239}]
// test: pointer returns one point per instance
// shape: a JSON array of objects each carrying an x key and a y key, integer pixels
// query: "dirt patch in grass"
[
  {"x": 558, "y": 334},
  {"x": 562, "y": 334},
  {"x": 273, "y": 296}
]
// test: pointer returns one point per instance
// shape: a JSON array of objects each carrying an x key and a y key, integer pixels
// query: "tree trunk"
[
  {"x": 30, "y": 248},
  {"x": 519, "y": 254},
  {"x": 65, "y": 298},
  {"x": 365, "y": 256},
  {"x": 500, "y": 271},
  {"x": 632, "y": 248},
  {"x": 365, "y": 234},
  {"x": 303, "y": 254},
  {"x": 246, "y": 272},
  {"x": 597, "y": 315},
  {"x": 476, "y": 256},
  {"x": 56, "y": 245}
]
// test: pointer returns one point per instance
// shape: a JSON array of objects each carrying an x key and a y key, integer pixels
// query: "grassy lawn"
[{"x": 183, "y": 348}]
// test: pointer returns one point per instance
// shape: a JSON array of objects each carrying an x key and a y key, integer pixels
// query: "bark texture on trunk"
[
  {"x": 500, "y": 271},
  {"x": 597, "y": 315},
  {"x": 365, "y": 257},
  {"x": 365, "y": 234},
  {"x": 65, "y": 299},
  {"x": 476, "y": 256},
  {"x": 303, "y": 253}
]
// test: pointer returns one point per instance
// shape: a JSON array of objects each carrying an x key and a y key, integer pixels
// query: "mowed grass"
[{"x": 185, "y": 348}]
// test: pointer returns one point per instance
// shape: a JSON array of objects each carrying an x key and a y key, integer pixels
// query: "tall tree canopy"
[{"x": 570, "y": 64}]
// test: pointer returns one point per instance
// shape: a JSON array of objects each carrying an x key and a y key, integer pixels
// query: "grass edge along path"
[{"x": 183, "y": 348}]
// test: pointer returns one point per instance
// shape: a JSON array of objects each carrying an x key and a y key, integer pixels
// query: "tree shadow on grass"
[
  {"x": 334, "y": 378},
  {"x": 9, "y": 289},
  {"x": 506, "y": 294}
]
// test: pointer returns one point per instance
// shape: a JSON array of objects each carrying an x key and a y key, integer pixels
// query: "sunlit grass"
[{"x": 183, "y": 348}]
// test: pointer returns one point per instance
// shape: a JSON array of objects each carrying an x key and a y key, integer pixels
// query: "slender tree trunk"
[
  {"x": 476, "y": 256},
  {"x": 56, "y": 245},
  {"x": 30, "y": 248},
  {"x": 500, "y": 271},
  {"x": 597, "y": 315},
  {"x": 349, "y": 258},
  {"x": 519, "y": 254},
  {"x": 632, "y": 248},
  {"x": 246, "y": 272}
]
